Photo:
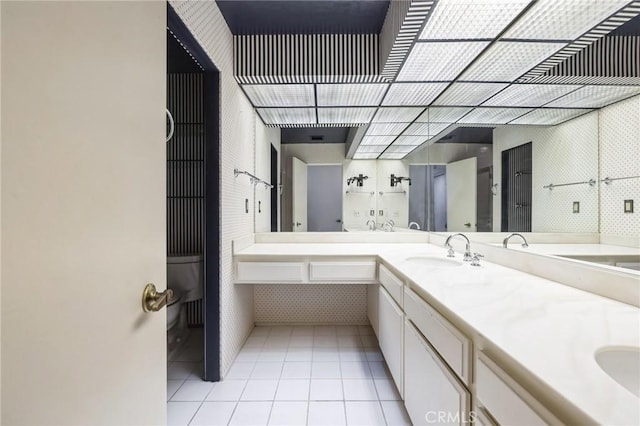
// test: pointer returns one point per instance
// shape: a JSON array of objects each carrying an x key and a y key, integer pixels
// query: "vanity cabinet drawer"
[
  {"x": 505, "y": 399},
  {"x": 391, "y": 283},
  {"x": 342, "y": 271},
  {"x": 451, "y": 344},
  {"x": 265, "y": 272}
]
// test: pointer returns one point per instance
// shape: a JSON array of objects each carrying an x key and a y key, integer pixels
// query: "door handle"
[
  {"x": 152, "y": 300},
  {"x": 298, "y": 224},
  {"x": 468, "y": 224},
  {"x": 338, "y": 221}
]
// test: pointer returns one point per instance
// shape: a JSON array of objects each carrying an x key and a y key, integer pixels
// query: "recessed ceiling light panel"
[
  {"x": 425, "y": 129},
  {"x": 350, "y": 94},
  {"x": 471, "y": 19},
  {"x": 400, "y": 148},
  {"x": 365, "y": 156},
  {"x": 493, "y": 115},
  {"x": 371, "y": 148},
  {"x": 285, "y": 116},
  {"x": 378, "y": 129},
  {"x": 411, "y": 140},
  {"x": 562, "y": 20},
  {"x": 595, "y": 96},
  {"x": 441, "y": 61},
  {"x": 376, "y": 140},
  {"x": 530, "y": 95},
  {"x": 443, "y": 114},
  {"x": 470, "y": 94},
  {"x": 397, "y": 114},
  {"x": 276, "y": 95},
  {"x": 549, "y": 116},
  {"x": 345, "y": 115},
  {"x": 413, "y": 93},
  {"x": 506, "y": 61}
]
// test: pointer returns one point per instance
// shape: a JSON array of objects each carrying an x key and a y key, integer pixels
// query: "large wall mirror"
[{"x": 505, "y": 178}]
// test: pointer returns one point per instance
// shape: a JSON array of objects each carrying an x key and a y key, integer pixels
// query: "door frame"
[{"x": 211, "y": 300}]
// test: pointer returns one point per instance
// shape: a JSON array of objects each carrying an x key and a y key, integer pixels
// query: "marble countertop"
[
  {"x": 574, "y": 249},
  {"x": 552, "y": 331}
]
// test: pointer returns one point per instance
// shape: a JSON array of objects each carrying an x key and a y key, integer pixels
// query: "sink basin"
[
  {"x": 622, "y": 364},
  {"x": 434, "y": 261}
]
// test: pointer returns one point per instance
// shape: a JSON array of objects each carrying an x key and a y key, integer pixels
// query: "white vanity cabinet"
[
  {"x": 373, "y": 292},
  {"x": 390, "y": 336},
  {"x": 433, "y": 394}
]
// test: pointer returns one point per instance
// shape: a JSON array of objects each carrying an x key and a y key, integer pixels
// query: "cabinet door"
[
  {"x": 390, "y": 325},
  {"x": 433, "y": 395},
  {"x": 372, "y": 307}
]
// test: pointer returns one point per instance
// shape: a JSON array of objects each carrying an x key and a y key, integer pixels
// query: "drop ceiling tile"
[
  {"x": 275, "y": 95},
  {"x": 284, "y": 116},
  {"x": 425, "y": 129},
  {"x": 371, "y": 148},
  {"x": 353, "y": 116},
  {"x": 399, "y": 148},
  {"x": 493, "y": 115},
  {"x": 396, "y": 114},
  {"x": 411, "y": 140},
  {"x": 595, "y": 96},
  {"x": 506, "y": 61},
  {"x": 350, "y": 94},
  {"x": 469, "y": 94},
  {"x": 549, "y": 116},
  {"x": 377, "y": 140},
  {"x": 413, "y": 93},
  {"x": 443, "y": 114},
  {"x": 378, "y": 129},
  {"x": 562, "y": 20},
  {"x": 471, "y": 19},
  {"x": 530, "y": 95},
  {"x": 441, "y": 61},
  {"x": 365, "y": 156}
]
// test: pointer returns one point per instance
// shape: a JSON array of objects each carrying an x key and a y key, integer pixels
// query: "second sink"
[{"x": 622, "y": 365}]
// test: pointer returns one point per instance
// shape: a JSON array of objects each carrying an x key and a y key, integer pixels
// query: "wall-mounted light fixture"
[
  {"x": 398, "y": 179},
  {"x": 358, "y": 179}
]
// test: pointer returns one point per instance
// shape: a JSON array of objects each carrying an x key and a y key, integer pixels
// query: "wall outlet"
[
  {"x": 380, "y": 213},
  {"x": 372, "y": 212},
  {"x": 576, "y": 206},
  {"x": 628, "y": 206}
]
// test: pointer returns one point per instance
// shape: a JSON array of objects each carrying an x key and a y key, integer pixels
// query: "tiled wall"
[
  {"x": 311, "y": 304},
  {"x": 561, "y": 154},
  {"x": 237, "y": 140},
  {"x": 619, "y": 157}
]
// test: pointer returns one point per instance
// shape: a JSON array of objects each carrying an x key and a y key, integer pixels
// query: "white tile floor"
[{"x": 300, "y": 375}]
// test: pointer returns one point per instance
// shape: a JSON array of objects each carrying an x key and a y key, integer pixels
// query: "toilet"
[{"x": 185, "y": 277}]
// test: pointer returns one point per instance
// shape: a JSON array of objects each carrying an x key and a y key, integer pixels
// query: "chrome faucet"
[
  {"x": 416, "y": 224},
  {"x": 467, "y": 251},
  {"x": 371, "y": 224},
  {"x": 515, "y": 234}
]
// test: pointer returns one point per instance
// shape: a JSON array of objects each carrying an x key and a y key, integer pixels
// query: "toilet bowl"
[{"x": 185, "y": 278}]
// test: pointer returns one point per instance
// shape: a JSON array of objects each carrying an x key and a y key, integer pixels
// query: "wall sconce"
[
  {"x": 398, "y": 179},
  {"x": 358, "y": 179}
]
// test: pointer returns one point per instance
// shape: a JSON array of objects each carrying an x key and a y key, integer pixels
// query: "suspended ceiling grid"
[{"x": 465, "y": 63}]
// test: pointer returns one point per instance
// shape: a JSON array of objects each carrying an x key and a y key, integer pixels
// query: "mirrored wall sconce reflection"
[
  {"x": 252, "y": 178},
  {"x": 395, "y": 180},
  {"x": 359, "y": 180}
]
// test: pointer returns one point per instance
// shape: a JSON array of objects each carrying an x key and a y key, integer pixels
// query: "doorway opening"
[
  {"x": 516, "y": 189},
  {"x": 324, "y": 197},
  {"x": 275, "y": 189},
  {"x": 193, "y": 176}
]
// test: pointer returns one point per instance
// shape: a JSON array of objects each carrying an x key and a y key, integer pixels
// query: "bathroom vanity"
[{"x": 488, "y": 344}]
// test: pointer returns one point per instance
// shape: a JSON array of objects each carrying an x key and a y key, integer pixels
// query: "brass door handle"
[
  {"x": 468, "y": 224},
  {"x": 152, "y": 301}
]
